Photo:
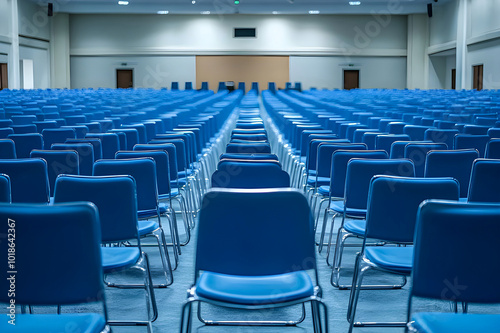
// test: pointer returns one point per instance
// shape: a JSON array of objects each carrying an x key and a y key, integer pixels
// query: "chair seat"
[
  {"x": 311, "y": 172},
  {"x": 324, "y": 190},
  {"x": 53, "y": 323},
  {"x": 303, "y": 159},
  {"x": 338, "y": 206},
  {"x": 397, "y": 259},
  {"x": 255, "y": 290},
  {"x": 182, "y": 182},
  {"x": 357, "y": 227},
  {"x": 184, "y": 174},
  {"x": 142, "y": 214},
  {"x": 147, "y": 227},
  {"x": 318, "y": 181},
  {"x": 428, "y": 322},
  {"x": 119, "y": 257}
]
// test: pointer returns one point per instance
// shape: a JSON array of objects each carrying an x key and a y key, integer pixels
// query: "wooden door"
[
  {"x": 4, "y": 81},
  {"x": 453, "y": 79},
  {"x": 477, "y": 81},
  {"x": 124, "y": 78},
  {"x": 351, "y": 79}
]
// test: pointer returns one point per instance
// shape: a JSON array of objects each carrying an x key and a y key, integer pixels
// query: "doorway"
[
  {"x": 351, "y": 79},
  {"x": 477, "y": 81},
  {"x": 453, "y": 79},
  {"x": 124, "y": 78},
  {"x": 4, "y": 81}
]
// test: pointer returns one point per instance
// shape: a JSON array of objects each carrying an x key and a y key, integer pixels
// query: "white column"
[
  {"x": 416, "y": 55},
  {"x": 461, "y": 69},
  {"x": 59, "y": 51},
  {"x": 15, "y": 73}
]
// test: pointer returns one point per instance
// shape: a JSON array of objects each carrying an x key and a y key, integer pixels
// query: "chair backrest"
[
  {"x": 262, "y": 242},
  {"x": 143, "y": 170},
  {"x": 393, "y": 203},
  {"x": 29, "y": 179},
  {"x": 248, "y": 174},
  {"x": 340, "y": 159},
  {"x": 236, "y": 156},
  {"x": 75, "y": 259},
  {"x": 484, "y": 181},
  {"x": 361, "y": 171},
  {"x": 85, "y": 155},
  {"x": 109, "y": 141},
  {"x": 250, "y": 137},
  {"x": 385, "y": 141},
  {"x": 417, "y": 152},
  {"x": 58, "y": 162},
  {"x": 249, "y": 148},
  {"x": 171, "y": 151},
  {"x": 466, "y": 141},
  {"x": 461, "y": 269},
  {"x": 180, "y": 149},
  {"x": 325, "y": 152},
  {"x": 131, "y": 134},
  {"x": 5, "y": 192},
  {"x": 96, "y": 144},
  {"x": 5, "y": 132},
  {"x": 416, "y": 132},
  {"x": 493, "y": 149},
  {"x": 438, "y": 135},
  {"x": 162, "y": 165},
  {"x": 7, "y": 148},
  {"x": 476, "y": 129},
  {"x": 114, "y": 196},
  {"x": 57, "y": 135},
  {"x": 25, "y": 143},
  {"x": 451, "y": 163},
  {"x": 398, "y": 148}
]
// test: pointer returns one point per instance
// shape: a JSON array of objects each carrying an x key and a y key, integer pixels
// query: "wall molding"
[
  {"x": 34, "y": 43},
  {"x": 491, "y": 35},
  {"x": 5, "y": 39},
  {"x": 433, "y": 49},
  {"x": 191, "y": 51}
]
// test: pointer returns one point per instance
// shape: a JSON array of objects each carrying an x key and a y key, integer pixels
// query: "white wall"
[
  {"x": 41, "y": 62},
  {"x": 450, "y": 64},
  {"x": 33, "y": 19},
  {"x": 483, "y": 17},
  {"x": 443, "y": 23},
  {"x": 327, "y": 72},
  {"x": 149, "y": 71},
  {"x": 487, "y": 54},
  {"x": 99, "y": 43},
  {"x": 5, "y": 18}
]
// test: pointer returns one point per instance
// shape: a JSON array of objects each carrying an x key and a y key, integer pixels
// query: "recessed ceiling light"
[
  {"x": 162, "y": 12},
  {"x": 355, "y": 3},
  {"x": 275, "y": 12},
  {"x": 314, "y": 12},
  {"x": 205, "y": 12},
  {"x": 193, "y": 2},
  {"x": 123, "y": 3}
]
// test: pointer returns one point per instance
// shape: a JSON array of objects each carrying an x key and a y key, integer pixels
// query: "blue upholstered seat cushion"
[
  {"x": 427, "y": 322},
  {"x": 255, "y": 290},
  {"x": 398, "y": 259},
  {"x": 114, "y": 258},
  {"x": 324, "y": 190},
  {"x": 53, "y": 323},
  {"x": 318, "y": 181},
  {"x": 356, "y": 227},
  {"x": 338, "y": 206},
  {"x": 146, "y": 227}
]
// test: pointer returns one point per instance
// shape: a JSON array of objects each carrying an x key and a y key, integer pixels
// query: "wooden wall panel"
[{"x": 248, "y": 69}]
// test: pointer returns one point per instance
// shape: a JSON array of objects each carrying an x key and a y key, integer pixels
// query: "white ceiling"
[{"x": 245, "y": 6}]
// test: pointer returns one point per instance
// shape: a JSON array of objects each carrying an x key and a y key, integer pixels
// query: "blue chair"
[
  {"x": 143, "y": 170},
  {"x": 416, "y": 132},
  {"x": 188, "y": 85},
  {"x": 131, "y": 137},
  {"x": 468, "y": 141},
  {"x": 5, "y": 132},
  {"x": 484, "y": 181},
  {"x": 248, "y": 148},
  {"x": 493, "y": 149},
  {"x": 109, "y": 141},
  {"x": 248, "y": 174},
  {"x": 25, "y": 143},
  {"x": 266, "y": 273},
  {"x": 117, "y": 226},
  {"x": 7, "y": 148},
  {"x": 335, "y": 190},
  {"x": 391, "y": 215},
  {"x": 451, "y": 163},
  {"x": 5, "y": 191},
  {"x": 174, "y": 85},
  {"x": 353, "y": 208},
  {"x": 385, "y": 141},
  {"x": 96, "y": 145},
  {"x": 29, "y": 179},
  {"x": 431, "y": 278},
  {"x": 85, "y": 155},
  {"x": 58, "y": 162},
  {"x": 437, "y": 135},
  {"x": 252, "y": 157},
  {"x": 75, "y": 269},
  {"x": 204, "y": 85},
  {"x": 476, "y": 129},
  {"x": 417, "y": 153},
  {"x": 57, "y": 135}
]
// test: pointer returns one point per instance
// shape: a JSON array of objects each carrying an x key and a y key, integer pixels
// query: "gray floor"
[{"x": 386, "y": 305}]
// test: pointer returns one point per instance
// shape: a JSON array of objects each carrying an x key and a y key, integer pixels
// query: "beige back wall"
[{"x": 248, "y": 69}]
